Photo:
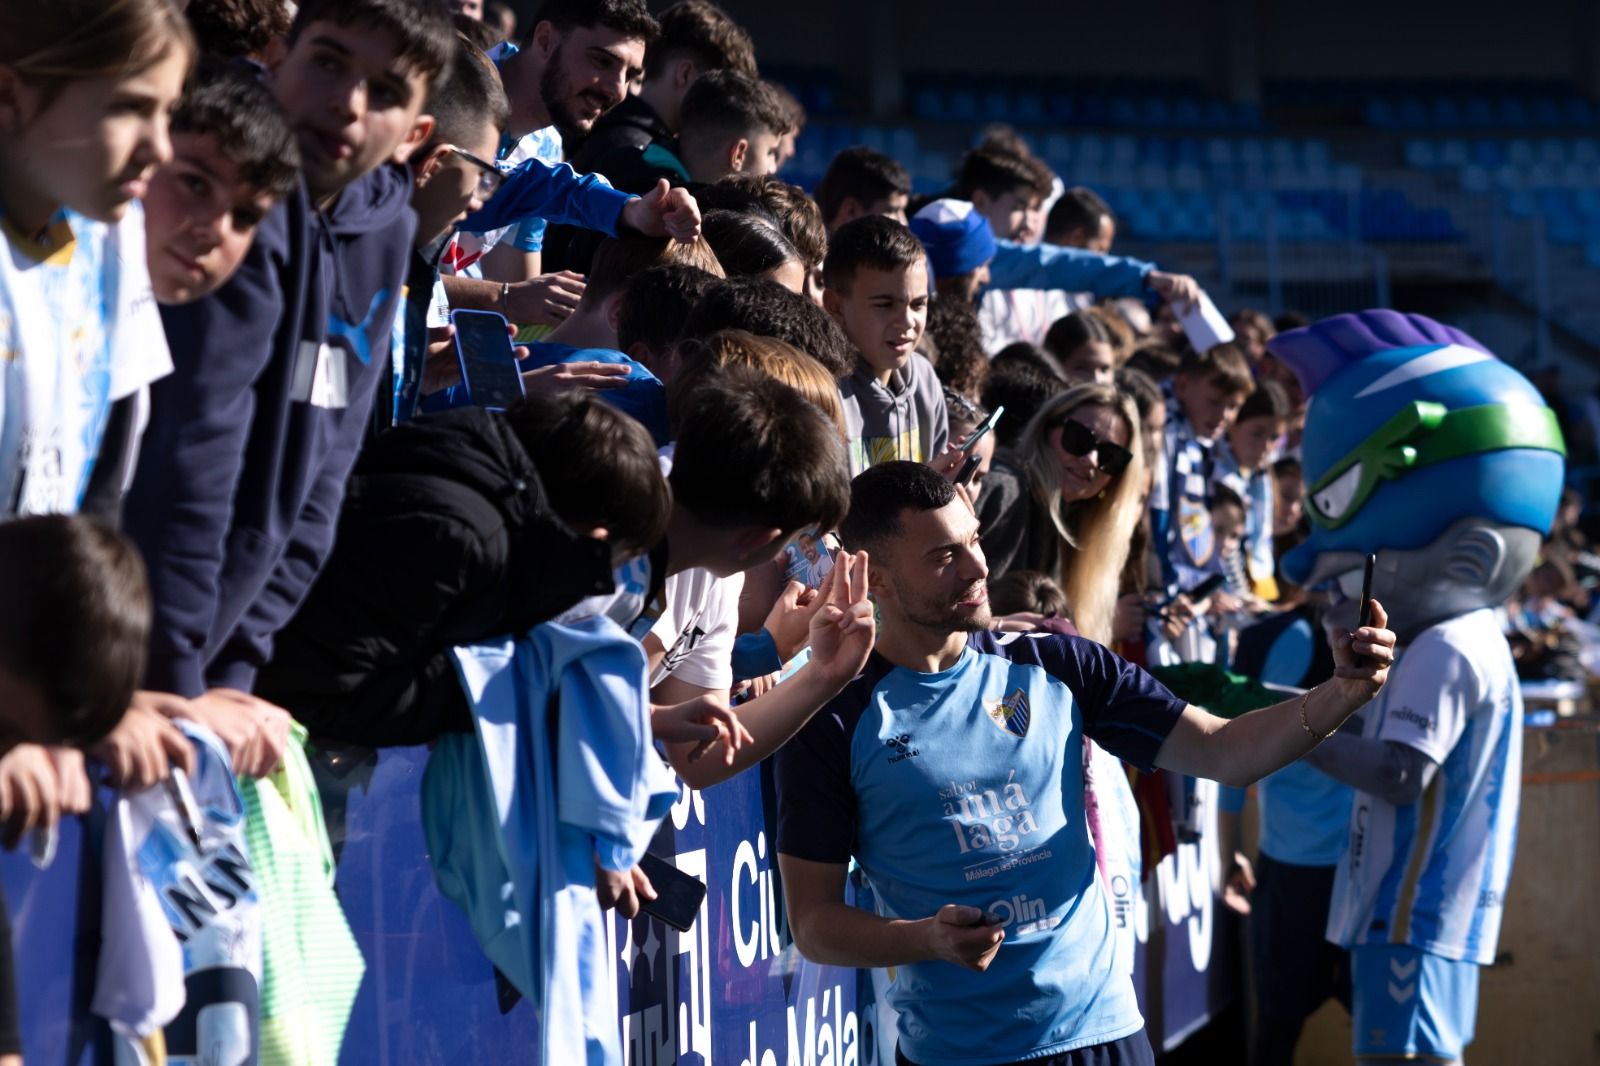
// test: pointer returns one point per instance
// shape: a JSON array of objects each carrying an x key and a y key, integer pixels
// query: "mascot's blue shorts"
[{"x": 1409, "y": 1004}]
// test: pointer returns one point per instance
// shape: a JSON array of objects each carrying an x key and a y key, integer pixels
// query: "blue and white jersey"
[
  {"x": 1256, "y": 489},
  {"x": 1433, "y": 874},
  {"x": 966, "y": 786},
  {"x": 543, "y": 144},
  {"x": 1189, "y": 551},
  {"x": 79, "y": 330}
]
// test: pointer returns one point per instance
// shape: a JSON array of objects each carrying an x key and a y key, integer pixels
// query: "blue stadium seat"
[
  {"x": 1566, "y": 229},
  {"x": 1487, "y": 153},
  {"x": 1030, "y": 108},
  {"x": 1553, "y": 151},
  {"x": 1479, "y": 112},
  {"x": 1420, "y": 155},
  {"x": 1512, "y": 113}
]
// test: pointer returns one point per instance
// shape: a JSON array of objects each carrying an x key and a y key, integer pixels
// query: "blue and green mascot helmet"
[{"x": 1421, "y": 446}]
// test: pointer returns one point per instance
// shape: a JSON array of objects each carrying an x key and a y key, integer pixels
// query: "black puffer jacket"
[{"x": 445, "y": 538}]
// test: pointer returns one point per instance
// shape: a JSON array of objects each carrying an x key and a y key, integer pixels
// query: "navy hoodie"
[{"x": 252, "y": 438}]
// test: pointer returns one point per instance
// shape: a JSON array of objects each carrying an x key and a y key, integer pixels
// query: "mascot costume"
[{"x": 1423, "y": 447}]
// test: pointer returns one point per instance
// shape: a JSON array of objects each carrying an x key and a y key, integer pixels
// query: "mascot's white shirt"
[{"x": 1433, "y": 874}]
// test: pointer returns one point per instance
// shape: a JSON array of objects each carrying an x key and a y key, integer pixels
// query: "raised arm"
[
  {"x": 1243, "y": 750},
  {"x": 841, "y": 639}
]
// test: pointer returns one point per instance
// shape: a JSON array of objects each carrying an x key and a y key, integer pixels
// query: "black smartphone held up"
[
  {"x": 969, "y": 468},
  {"x": 983, "y": 427},
  {"x": 1199, "y": 592},
  {"x": 678, "y": 896},
  {"x": 1365, "y": 617},
  {"x": 488, "y": 363}
]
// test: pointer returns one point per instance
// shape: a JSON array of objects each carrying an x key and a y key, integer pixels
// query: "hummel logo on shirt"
[{"x": 901, "y": 746}]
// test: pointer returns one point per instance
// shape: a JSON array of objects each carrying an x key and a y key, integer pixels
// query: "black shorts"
[
  {"x": 1132, "y": 1050},
  {"x": 1296, "y": 969}
]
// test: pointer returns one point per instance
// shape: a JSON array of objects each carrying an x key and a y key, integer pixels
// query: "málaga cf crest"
[{"x": 1011, "y": 713}]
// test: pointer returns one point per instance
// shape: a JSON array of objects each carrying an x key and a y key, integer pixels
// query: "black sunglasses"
[{"x": 1079, "y": 439}]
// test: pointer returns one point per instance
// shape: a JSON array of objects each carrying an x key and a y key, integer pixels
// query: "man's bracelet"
[
  {"x": 505, "y": 298},
  {"x": 1306, "y": 725}
]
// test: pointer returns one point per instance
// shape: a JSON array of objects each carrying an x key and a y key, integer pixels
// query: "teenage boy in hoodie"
[
  {"x": 875, "y": 284},
  {"x": 251, "y": 439}
]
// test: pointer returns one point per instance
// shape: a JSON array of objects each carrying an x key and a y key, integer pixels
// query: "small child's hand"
[
  {"x": 705, "y": 722},
  {"x": 560, "y": 377},
  {"x": 949, "y": 464},
  {"x": 789, "y": 621},
  {"x": 142, "y": 749},
  {"x": 440, "y": 368},
  {"x": 623, "y": 889},
  {"x": 30, "y": 793}
]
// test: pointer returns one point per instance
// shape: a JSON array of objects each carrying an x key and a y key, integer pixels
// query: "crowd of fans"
[{"x": 243, "y": 482}]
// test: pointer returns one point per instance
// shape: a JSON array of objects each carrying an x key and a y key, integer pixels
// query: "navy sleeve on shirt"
[
  {"x": 1125, "y": 710},
  {"x": 816, "y": 797}
]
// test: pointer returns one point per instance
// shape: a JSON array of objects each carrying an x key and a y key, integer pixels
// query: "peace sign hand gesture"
[{"x": 842, "y": 629}]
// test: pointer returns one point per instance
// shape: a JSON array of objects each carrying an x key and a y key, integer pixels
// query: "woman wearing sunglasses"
[{"x": 1066, "y": 500}]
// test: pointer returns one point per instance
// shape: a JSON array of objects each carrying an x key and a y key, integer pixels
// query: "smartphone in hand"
[
  {"x": 678, "y": 896},
  {"x": 983, "y": 427},
  {"x": 1364, "y": 617},
  {"x": 488, "y": 362}
]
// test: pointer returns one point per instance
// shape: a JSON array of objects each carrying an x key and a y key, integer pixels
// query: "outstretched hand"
[
  {"x": 664, "y": 212},
  {"x": 561, "y": 377},
  {"x": 1362, "y": 659},
  {"x": 789, "y": 621},
  {"x": 1179, "y": 290},
  {"x": 842, "y": 629},
  {"x": 705, "y": 722}
]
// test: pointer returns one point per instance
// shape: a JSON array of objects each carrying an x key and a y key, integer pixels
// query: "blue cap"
[{"x": 957, "y": 239}]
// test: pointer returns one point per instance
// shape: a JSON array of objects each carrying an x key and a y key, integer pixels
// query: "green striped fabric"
[{"x": 311, "y": 965}]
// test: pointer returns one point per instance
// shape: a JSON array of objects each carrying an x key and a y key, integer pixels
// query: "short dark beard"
[
  {"x": 948, "y": 619},
  {"x": 552, "y": 92}
]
